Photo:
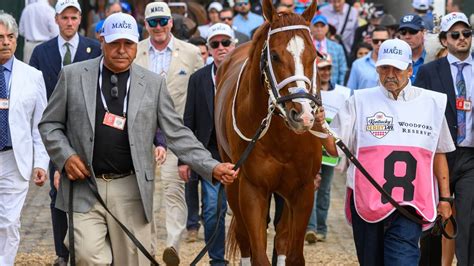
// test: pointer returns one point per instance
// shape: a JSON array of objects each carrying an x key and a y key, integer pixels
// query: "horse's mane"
[{"x": 280, "y": 20}]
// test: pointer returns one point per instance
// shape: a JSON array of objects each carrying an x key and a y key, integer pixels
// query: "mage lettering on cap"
[
  {"x": 122, "y": 25},
  {"x": 394, "y": 51},
  {"x": 157, "y": 9},
  {"x": 452, "y": 17}
]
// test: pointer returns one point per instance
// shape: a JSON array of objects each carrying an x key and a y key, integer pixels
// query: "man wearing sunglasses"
[
  {"x": 227, "y": 16},
  {"x": 199, "y": 117},
  {"x": 246, "y": 21},
  {"x": 175, "y": 60},
  {"x": 453, "y": 75},
  {"x": 412, "y": 31},
  {"x": 363, "y": 74}
]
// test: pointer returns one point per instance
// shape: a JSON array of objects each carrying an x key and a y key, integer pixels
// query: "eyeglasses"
[
  {"x": 153, "y": 22},
  {"x": 241, "y": 4},
  {"x": 408, "y": 30},
  {"x": 456, "y": 34},
  {"x": 225, "y": 43},
  {"x": 226, "y": 18},
  {"x": 114, "y": 90},
  {"x": 377, "y": 41}
]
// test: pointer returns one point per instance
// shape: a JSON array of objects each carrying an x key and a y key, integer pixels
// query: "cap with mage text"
[
  {"x": 120, "y": 26},
  {"x": 63, "y": 4},
  {"x": 396, "y": 53},
  {"x": 412, "y": 21},
  {"x": 157, "y": 10},
  {"x": 220, "y": 29},
  {"x": 452, "y": 18}
]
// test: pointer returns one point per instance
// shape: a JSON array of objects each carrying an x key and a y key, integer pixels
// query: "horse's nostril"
[{"x": 294, "y": 115}]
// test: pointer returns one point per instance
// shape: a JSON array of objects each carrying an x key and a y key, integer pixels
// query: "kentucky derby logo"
[{"x": 379, "y": 125}]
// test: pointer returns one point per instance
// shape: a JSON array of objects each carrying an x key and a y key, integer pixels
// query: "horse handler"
[
  {"x": 400, "y": 136},
  {"x": 101, "y": 122}
]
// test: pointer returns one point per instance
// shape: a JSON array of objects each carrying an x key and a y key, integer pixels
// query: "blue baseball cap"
[
  {"x": 319, "y": 19},
  {"x": 412, "y": 21}
]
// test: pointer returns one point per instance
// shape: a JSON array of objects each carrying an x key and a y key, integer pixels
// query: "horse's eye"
[{"x": 275, "y": 57}]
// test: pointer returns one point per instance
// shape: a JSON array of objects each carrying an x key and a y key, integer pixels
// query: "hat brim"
[
  {"x": 392, "y": 62},
  {"x": 410, "y": 26},
  {"x": 323, "y": 65},
  {"x": 113, "y": 37},
  {"x": 217, "y": 34}
]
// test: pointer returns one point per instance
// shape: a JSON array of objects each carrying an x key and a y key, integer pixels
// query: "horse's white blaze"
[{"x": 296, "y": 47}]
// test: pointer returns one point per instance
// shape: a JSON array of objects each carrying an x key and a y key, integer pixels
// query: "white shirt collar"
[
  {"x": 406, "y": 94},
  {"x": 169, "y": 47},
  {"x": 452, "y": 59},
  {"x": 74, "y": 42}
]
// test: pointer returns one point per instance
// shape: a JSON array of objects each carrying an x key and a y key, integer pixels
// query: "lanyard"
[
  {"x": 213, "y": 76},
  {"x": 104, "y": 103}
]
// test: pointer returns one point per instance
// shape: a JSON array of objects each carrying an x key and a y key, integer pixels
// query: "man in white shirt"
[
  {"x": 399, "y": 134},
  {"x": 37, "y": 25},
  {"x": 175, "y": 60},
  {"x": 342, "y": 16}
]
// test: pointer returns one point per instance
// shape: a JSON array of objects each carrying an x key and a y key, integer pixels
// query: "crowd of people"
[{"x": 96, "y": 108}]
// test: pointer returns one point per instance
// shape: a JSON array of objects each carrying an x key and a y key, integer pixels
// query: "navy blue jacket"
[{"x": 47, "y": 59}]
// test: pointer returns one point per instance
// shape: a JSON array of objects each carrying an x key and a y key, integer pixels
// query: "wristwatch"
[{"x": 448, "y": 199}]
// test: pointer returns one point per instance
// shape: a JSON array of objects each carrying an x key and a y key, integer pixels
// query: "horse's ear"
[
  {"x": 309, "y": 12},
  {"x": 268, "y": 10}
]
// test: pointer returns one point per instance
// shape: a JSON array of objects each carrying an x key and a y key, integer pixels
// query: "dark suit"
[
  {"x": 437, "y": 76},
  {"x": 47, "y": 59},
  {"x": 199, "y": 117}
]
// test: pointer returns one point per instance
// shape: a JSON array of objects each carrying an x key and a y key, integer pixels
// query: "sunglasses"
[
  {"x": 456, "y": 34},
  {"x": 114, "y": 90},
  {"x": 215, "y": 44},
  {"x": 226, "y": 18},
  {"x": 377, "y": 41},
  {"x": 408, "y": 30},
  {"x": 158, "y": 21},
  {"x": 241, "y": 4}
]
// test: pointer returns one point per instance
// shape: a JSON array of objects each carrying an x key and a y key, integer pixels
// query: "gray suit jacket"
[{"x": 67, "y": 128}]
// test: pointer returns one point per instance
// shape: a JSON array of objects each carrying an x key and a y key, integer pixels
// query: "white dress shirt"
[
  {"x": 468, "y": 75},
  {"x": 160, "y": 60},
  {"x": 37, "y": 22},
  {"x": 73, "y": 44},
  {"x": 345, "y": 121}
]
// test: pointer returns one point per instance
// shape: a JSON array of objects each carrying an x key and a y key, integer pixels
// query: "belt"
[
  {"x": 6, "y": 148},
  {"x": 112, "y": 176}
]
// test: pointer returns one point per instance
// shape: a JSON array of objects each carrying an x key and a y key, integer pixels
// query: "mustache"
[{"x": 390, "y": 80}]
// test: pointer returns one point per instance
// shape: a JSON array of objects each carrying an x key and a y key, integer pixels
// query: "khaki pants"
[{"x": 98, "y": 238}]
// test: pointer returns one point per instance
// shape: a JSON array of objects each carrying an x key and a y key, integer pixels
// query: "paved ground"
[{"x": 37, "y": 248}]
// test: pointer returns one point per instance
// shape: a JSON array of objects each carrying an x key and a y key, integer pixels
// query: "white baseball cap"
[
  {"x": 157, "y": 10},
  {"x": 120, "y": 26},
  {"x": 421, "y": 4},
  {"x": 396, "y": 53},
  {"x": 220, "y": 29},
  {"x": 63, "y": 4},
  {"x": 215, "y": 5},
  {"x": 452, "y": 18}
]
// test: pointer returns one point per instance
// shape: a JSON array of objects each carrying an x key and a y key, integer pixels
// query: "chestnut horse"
[{"x": 271, "y": 79}]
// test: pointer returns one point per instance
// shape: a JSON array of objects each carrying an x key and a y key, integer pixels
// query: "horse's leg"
[
  {"x": 239, "y": 230},
  {"x": 301, "y": 204},
  {"x": 282, "y": 236},
  {"x": 254, "y": 207}
]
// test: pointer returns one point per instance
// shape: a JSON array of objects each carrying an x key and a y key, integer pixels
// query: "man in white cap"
[
  {"x": 399, "y": 134},
  {"x": 422, "y": 8},
  {"x": 99, "y": 128},
  {"x": 199, "y": 117},
  {"x": 49, "y": 57},
  {"x": 22, "y": 154},
  {"x": 453, "y": 76},
  {"x": 36, "y": 26},
  {"x": 213, "y": 11},
  {"x": 175, "y": 60}
]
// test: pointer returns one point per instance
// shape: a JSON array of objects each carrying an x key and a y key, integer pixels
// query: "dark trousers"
[
  {"x": 191, "y": 195},
  {"x": 430, "y": 247},
  {"x": 462, "y": 184},
  {"x": 392, "y": 241},
  {"x": 59, "y": 220}
]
